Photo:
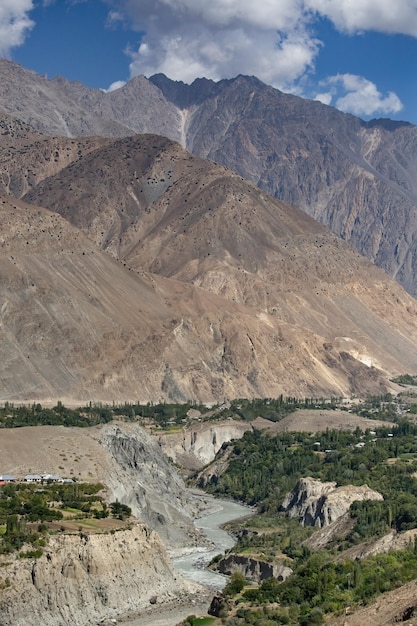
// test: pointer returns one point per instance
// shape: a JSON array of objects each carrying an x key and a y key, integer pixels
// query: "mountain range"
[
  {"x": 358, "y": 178},
  {"x": 132, "y": 270}
]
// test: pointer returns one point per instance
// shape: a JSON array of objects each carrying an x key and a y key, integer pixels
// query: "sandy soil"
[
  {"x": 67, "y": 452},
  {"x": 311, "y": 420}
]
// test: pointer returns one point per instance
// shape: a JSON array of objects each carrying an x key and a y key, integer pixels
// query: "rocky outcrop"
[
  {"x": 82, "y": 579},
  {"x": 145, "y": 480},
  {"x": 337, "y": 530},
  {"x": 254, "y": 570},
  {"x": 318, "y": 504},
  {"x": 212, "y": 473},
  {"x": 217, "y": 605},
  {"x": 198, "y": 445}
]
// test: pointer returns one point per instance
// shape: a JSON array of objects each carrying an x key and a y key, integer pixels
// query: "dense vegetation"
[
  {"x": 264, "y": 468},
  {"x": 35, "y": 415},
  {"x": 322, "y": 585},
  {"x": 169, "y": 415},
  {"x": 26, "y": 510},
  {"x": 405, "y": 379},
  {"x": 161, "y": 415}
]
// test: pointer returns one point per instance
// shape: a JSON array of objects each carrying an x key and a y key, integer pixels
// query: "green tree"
[{"x": 235, "y": 585}]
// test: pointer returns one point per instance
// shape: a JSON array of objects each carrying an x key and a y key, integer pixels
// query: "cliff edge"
[{"x": 83, "y": 579}]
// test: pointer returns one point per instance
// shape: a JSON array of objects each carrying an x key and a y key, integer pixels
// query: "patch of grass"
[
  {"x": 31, "y": 554},
  {"x": 191, "y": 620},
  {"x": 90, "y": 523},
  {"x": 70, "y": 509},
  {"x": 408, "y": 456}
]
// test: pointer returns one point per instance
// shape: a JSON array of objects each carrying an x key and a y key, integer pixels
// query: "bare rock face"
[
  {"x": 340, "y": 527},
  {"x": 198, "y": 445},
  {"x": 142, "y": 477},
  {"x": 358, "y": 178},
  {"x": 254, "y": 570},
  {"x": 212, "y": 473},
  {"x": 217, "y": 604},
  {"x": 85, "y": 579},
  {"x": 319, "y": 504}
]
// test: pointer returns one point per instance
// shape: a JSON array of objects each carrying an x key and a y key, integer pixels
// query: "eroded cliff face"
[
  {"x": 82, "y": 579},
  {"x": 254, "y": 570},
  {"x": 143, "y": 478},
  {"x": 319, "y": 504},
  {"x": 198, "y": 445}
]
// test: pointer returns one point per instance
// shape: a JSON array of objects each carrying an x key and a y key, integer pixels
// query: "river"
[{"x": 192, "y": 565}]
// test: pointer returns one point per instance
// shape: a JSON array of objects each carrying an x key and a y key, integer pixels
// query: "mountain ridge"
[
  {"x": 356, "y": 177},
  {"x": 215, "y": 290},
  {"x": 226, "y": 292}
]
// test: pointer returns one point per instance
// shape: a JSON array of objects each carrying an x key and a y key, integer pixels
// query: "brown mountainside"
[
  {"x": 358, "y": 178},
  {"x": 265, "y": 299},
  {"x": 28, "y": 157},
  {"x": 78, "y": 325}
]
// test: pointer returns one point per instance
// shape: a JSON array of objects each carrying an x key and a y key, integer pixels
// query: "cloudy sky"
[{"x": 357, "y": 55}]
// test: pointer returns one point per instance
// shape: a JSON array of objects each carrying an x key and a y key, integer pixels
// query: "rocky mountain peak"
[{"x": 358, "y": 178}]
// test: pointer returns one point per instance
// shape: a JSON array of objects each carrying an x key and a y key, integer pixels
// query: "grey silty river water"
[{"x": 192, "y": 564}]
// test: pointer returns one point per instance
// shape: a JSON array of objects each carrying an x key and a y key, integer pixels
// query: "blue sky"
[{"x": 357, "y": 55}]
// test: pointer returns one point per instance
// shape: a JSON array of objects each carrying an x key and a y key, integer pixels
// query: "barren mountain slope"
[
  {"x": 70, "y": 109},
  {"x": 358, "y": 178},
  {"x": 64, "y": 331},
  {"x": 77, "y": 325},
  {"x": 44, "y": 105},
  {"x": 323, "y": 308},
  {"x": 28, "y": 157}
]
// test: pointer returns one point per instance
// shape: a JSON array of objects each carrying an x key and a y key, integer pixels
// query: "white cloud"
[
  {"x": 14, "y": 24},
  {"x": 221, "y": 38},
  {"x": 183, "y": 56},
  {"x": 116, "y": 85},
  {"x": 272, "y": 39},
  {"x": 324, "y": 98},
  {"x": 352, "y": 16},
  {"x": 358, "y": 95}
]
